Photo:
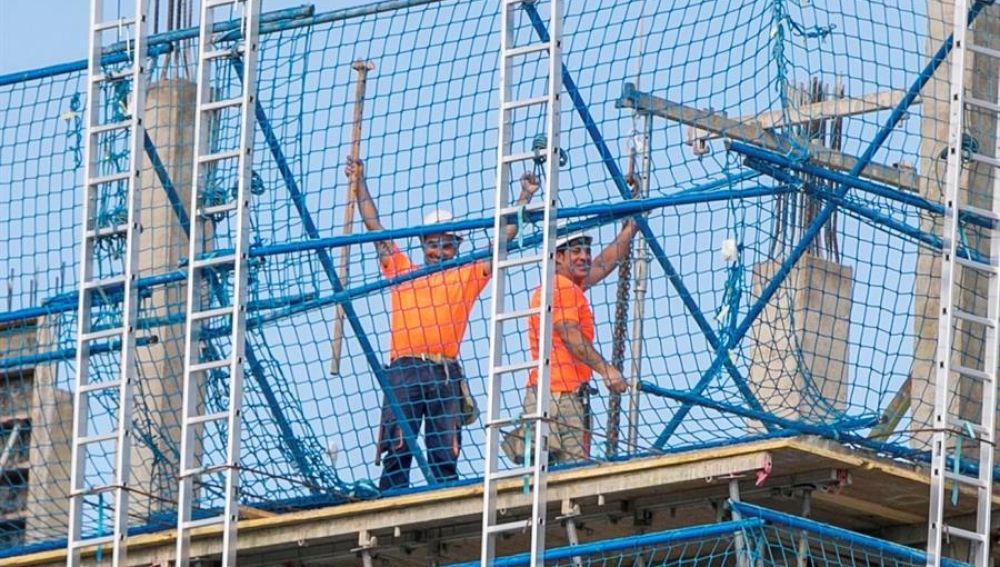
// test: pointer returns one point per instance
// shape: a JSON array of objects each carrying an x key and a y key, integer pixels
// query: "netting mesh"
[
  {"x": 762, "y": 537},
  {"x": 851, "y": 328}
]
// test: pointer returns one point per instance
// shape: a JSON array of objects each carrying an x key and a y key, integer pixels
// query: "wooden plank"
[
  {"x": 833, "y": 108},
  {"x": 754, "y": 133}
]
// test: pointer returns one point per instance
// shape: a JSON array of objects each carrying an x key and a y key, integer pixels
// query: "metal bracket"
[{"x": 366, "y": 547}]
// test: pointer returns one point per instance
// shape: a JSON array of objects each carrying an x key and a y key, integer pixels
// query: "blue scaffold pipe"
[
  {"x": 762, "y": 416},
  {"x": 854, "y": 182},
  {"x": 298, "y": 199},
  {"x": 814, "y": 228},
  {"x": 156, "y": 45},
  {"x": 920, "y": 236},
  {"x": 881, "y": 546},
  {"x": 168, "y": 186},
  {"x": 628, "y": 543},
  {"x": 600, "y": 214},
  {"x": 616, "y": 175}
]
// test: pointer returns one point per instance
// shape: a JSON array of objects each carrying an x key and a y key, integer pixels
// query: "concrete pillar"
[
  {"x": 50, "y": 449},
  {"x": 801, "y": 341},
  {"x": 977, "y": 181},
  {"x": 170, "y": 124}
]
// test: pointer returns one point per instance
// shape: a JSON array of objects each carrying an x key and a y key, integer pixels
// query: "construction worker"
[
  {"x": 573, "y": 357},
  {"x": 429, "y": 317}
]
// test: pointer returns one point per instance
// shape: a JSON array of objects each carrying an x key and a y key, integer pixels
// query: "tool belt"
[{"x": 469, "y": 412}]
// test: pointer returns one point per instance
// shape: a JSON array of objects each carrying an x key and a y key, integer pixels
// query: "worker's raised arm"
[
  {"x": 355, "y": 171},
  {"x": 529, "y": 186},
  {"x": 609, "y": 258}
]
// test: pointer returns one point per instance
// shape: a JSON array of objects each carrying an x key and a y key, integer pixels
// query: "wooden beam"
[
  {"x": 248, "y": 513},
  {"x": 754, "y": 133},
  {"x": 833, "y": 108},
  {"x": 867, "y": 507}
]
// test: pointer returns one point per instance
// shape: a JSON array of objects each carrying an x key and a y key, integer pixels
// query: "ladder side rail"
[
  {"x": 128, "y": 371},
  {"x": 78, "y": 454},
  {"x": 942, "y": 387},
  {"x": 238, "y": 338},
  {"x": 497, "y": 301},
  {"x": 543, "y": 390},
  {"x": 195, "y": 297}
]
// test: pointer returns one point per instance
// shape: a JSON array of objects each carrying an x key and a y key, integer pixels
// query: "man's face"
[
  {"x": 440, "y": 247},
  {"x": 573, "y": 260}
]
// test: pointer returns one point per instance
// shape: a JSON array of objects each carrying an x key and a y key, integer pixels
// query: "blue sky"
[{"x": 38, "y": 33}]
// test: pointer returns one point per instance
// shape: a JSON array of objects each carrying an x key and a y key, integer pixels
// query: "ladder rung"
[
  {"x": 219, "y": 156},
  {"x": 224, "y": 103},
  {"x": 520, "y": 314},
  {"x": 973, "y": 373},
  {"x": 963, "y": 426},
  {"x": 112, "y": 24},
  {"x": 519, "y": 525},
  {"x": 112, "y": 76},
  {"x": 203, "y": 470},
  {"x": 524, "y": 102},
  {"x": 523, "y": 156},
  {"x": 965, "y": 479},
  {"x": 984, "y": 213},
  {"x": 505, "y": 421},
  {"x": 106, "y": 231},
  {"x": 983, "y": 50},
  {"x": 98, "y": 386},
  {"x": 528, "y": 49},
  {"x": 93, "y": 491},
  {"x": 222, "y": 53},
  {"x": 102, "y": 334},
  {"x": 113, "y": 178},
  {"x": 91, "y": 439},
  {"x": 974, "y": 265},
  {"x": 218, "y": 3},
  {"x": 521, "y": 261},
  {"x": 988, "y": 160},
  {"x": 102, "y": 540},
  {"x": 512, "y": 473},
  {"x": 528, "y": 208},
  {"x": 106, "y": 282},
  {"x": 210, "y": 313},
  {"x": 979, "y": 320},
  {"x": 217, "y": 416},
  {"x": 218, "y": 209},
  {"x": 210, "y": 365},
  {"x": 101, "y": 128},
  {"x": 973, "y": 101},
  {"x": 516, "y": 367},
  {"x": 965, "y": 534},
  {"x": 202, "y": 522},
  {"x": 214, "y": 261}
]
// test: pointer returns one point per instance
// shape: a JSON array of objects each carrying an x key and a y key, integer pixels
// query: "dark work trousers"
[{"x": 428, "y": 394}]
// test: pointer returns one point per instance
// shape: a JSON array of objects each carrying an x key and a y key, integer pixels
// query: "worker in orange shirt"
[
  {"x": 428, "y": 320},
  {"x": 573, "y": 359}
]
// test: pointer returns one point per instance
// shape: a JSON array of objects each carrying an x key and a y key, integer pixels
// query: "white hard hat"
[
  {"x": 440, "y": 216},
  {"x": 570, "y": 236}
]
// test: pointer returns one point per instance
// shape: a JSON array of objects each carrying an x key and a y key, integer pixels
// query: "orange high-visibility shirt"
[
  {"x": 430, "y": 313},
  {"x": 569, "y": 304}
]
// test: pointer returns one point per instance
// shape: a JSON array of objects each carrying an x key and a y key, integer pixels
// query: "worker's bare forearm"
[
  {"x": 580, "y": 347},
  {"x": 610, "y": 257},
  {"x": 511, "y": 228}
]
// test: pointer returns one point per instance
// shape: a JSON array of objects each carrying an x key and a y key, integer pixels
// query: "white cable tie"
[{"x": 729, "y": 250}]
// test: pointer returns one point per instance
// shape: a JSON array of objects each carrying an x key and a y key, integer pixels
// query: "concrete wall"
[
  {"x": 801, "y": 341},
  {"x": 170, "y": 124}
]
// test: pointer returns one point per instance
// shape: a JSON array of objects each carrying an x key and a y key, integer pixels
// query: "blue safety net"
[{"x": 783, "y": 160}]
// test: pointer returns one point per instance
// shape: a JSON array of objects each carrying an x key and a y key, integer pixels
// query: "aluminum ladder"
[
  {"x": 100, "y": 283},
  {"x": 215, "y": 301},
  {"x": 953, "y": 431},
  {"x": 546, "y": 54}
]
